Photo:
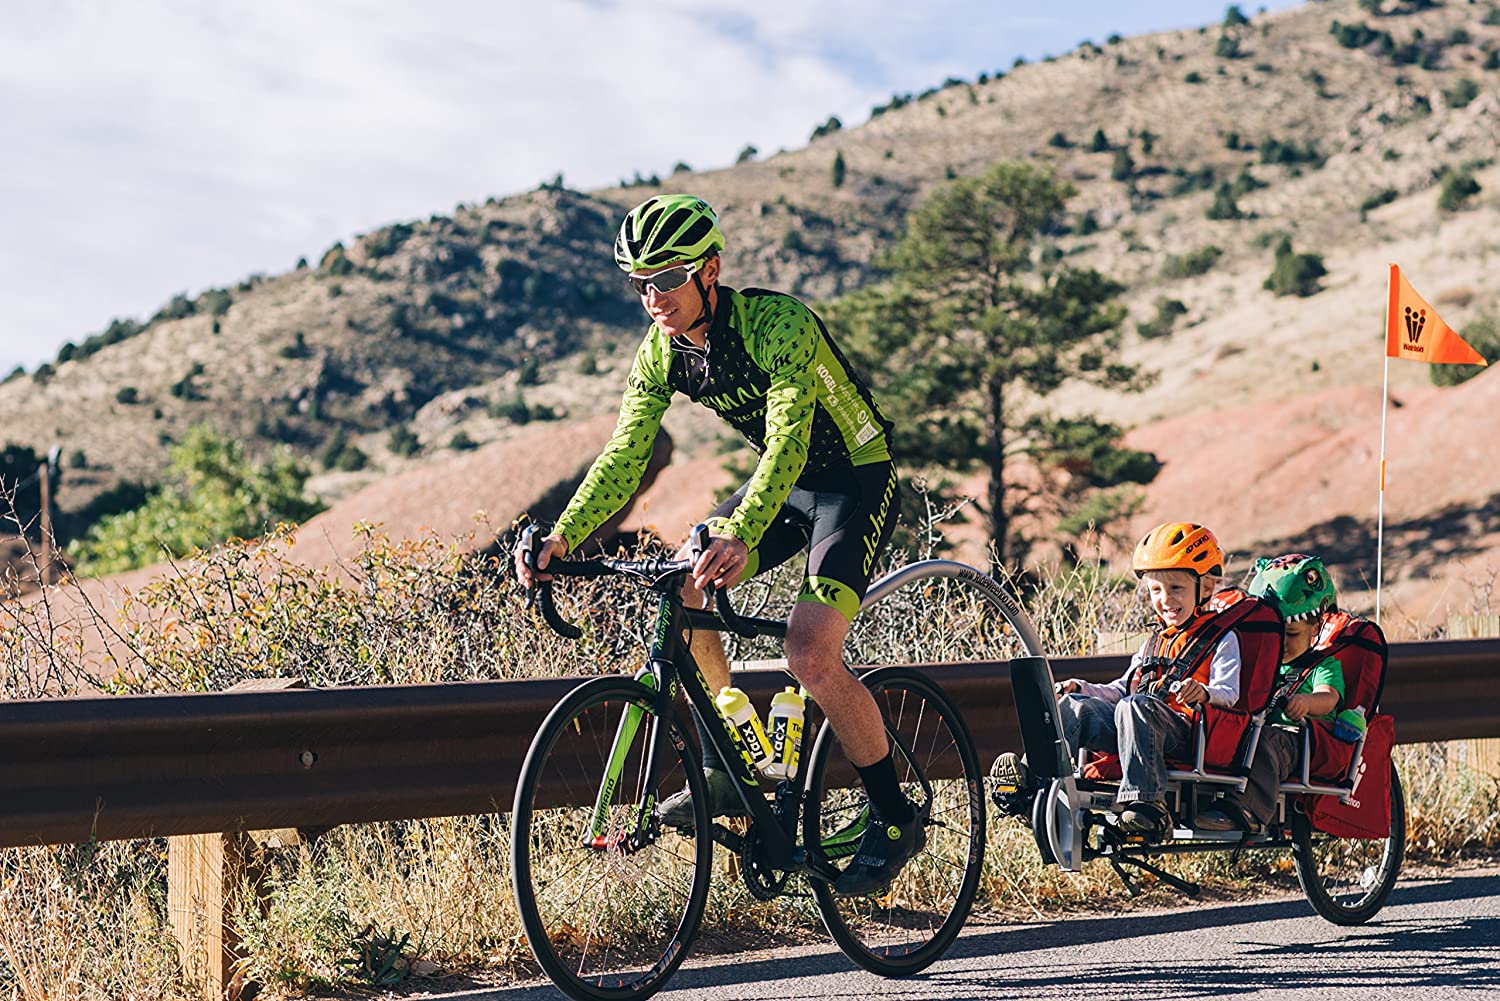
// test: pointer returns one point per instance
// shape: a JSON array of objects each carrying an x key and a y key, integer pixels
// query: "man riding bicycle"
[{"x": 765, "y": 363}]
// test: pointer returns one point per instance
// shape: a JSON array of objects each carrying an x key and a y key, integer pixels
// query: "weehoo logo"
[{"x": 1416, "y": 319}]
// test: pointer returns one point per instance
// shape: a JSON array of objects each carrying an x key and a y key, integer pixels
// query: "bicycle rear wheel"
[
  {"x": 907, "y": 926},
  {"x": 605, "y": 917},
  {"x": 1348, "y": 880}
]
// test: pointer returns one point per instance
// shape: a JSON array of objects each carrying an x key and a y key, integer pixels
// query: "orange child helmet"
[{"x": 1179, "y": 545}]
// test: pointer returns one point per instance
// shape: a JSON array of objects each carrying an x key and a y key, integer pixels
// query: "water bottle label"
[{"x": 750, "y": 740}]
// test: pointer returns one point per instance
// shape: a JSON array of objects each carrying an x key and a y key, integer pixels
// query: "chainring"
[{"x": 763, "y": 882}]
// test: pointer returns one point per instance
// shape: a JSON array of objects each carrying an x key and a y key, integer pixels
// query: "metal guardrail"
[{"x": 140, "y": 766}]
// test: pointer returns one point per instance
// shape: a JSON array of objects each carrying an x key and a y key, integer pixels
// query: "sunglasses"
[{"x": 669, "y": 280}]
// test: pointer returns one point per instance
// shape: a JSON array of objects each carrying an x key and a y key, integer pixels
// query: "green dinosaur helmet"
[
  {"x": 666, "y": 230},
  {"x": 1297, "y": 584}
]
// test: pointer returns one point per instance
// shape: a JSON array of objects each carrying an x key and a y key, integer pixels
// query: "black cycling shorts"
[{"x": 843, "y": 517}]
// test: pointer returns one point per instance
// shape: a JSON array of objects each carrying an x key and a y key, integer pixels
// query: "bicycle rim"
[
  {"x": 908, "y": 925},
  {"x": 603, "y": 919}
]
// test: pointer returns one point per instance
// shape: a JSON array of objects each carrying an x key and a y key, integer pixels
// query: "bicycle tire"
[
  {"x": 910, "y": 924},
  {"x": 605, "y": 921},
  {"x": 1368, "y": 867}
]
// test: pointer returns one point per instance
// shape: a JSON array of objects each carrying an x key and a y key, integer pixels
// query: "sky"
[{"x": 152, "y": 147}]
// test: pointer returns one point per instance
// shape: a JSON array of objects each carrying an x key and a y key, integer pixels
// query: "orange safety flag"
[{"x": 1414, "y": 331}]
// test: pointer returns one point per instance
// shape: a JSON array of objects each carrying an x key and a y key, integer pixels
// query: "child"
[
  {"x": 1144, "y": 715},
  {"x": 1301, "y": 588}
]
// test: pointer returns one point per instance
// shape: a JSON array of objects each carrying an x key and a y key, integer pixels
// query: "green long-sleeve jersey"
[{"x": 769, "y": 369}]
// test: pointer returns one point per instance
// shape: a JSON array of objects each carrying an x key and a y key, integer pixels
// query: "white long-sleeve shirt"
[{"x": 1223, "y": 675}]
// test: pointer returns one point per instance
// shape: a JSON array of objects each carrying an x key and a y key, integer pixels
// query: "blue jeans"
[{"x": 1141, "y": 729}]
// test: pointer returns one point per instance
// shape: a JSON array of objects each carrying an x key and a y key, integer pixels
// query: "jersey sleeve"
[
  {"x": 614, "y": 476},
  {"x": 783, "y": 343}
]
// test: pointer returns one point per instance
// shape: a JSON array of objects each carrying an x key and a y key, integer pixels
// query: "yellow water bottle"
[
  {"x": 785, "y": 722},
  {"x": 734, "y": 705}
]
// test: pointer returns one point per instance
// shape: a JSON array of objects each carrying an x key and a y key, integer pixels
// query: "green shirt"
[
  {"x": 1328, "y": 672},
  {"x": 773, "y": 373}
]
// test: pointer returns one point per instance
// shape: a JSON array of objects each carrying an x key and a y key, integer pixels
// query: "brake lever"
[
  {"x": 530, "y": 547},
  {"x": 697, "y": 546}
]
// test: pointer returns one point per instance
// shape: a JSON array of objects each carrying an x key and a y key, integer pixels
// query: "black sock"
[
  {"x": 890, "y": 802},
  {"x": 711, "y": 757}
]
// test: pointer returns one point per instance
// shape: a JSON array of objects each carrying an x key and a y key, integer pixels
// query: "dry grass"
[{"x": 87, "y": 922}]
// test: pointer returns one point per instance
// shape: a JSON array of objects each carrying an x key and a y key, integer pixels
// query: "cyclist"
[
  {"x": 1301, "y": 587},
  {"x": 1138, "y": 716},
  {"x": 765, "y": 363}
]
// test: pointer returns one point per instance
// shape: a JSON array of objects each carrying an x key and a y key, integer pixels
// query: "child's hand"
[
  {"x": 1190, "y": 692},
  {"x": 1068, "y": 687},
  {"x": 1297, "y": 707}
]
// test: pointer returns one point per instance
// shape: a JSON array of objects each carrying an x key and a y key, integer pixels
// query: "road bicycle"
[{"x": 611, "y": 898}]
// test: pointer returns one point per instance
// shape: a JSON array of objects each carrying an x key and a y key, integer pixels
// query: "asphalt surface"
[{"x": 1438, "y": 937}]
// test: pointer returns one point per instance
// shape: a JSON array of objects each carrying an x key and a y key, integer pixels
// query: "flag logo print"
[{"x": 1415, "y": 320}]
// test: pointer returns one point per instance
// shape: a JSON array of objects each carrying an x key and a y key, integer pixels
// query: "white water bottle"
[
  {"x": 734, "y": 705},
  {"x": 784, "y": 725}
]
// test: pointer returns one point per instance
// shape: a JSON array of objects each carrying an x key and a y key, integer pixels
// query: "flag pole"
[{"x": 1385, "y": 390}]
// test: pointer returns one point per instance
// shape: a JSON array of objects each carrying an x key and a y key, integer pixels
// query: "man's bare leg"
[{"x": 815, "y": 655}]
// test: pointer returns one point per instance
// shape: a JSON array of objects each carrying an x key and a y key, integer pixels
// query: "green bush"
[
  {"x": 1234, "y": 17},
  {"x": 385, "y": 242},
  {"x": 214, "y": 302},
  {"x": 127, "y": 395},
  {"x": 335, "y": 261},
  {"x": 183, "y": 388},
  {"x": 1193, "y": 77},
  {"x": 530, "y": 372},
  {"x": 1294, "y": 273},
  {"x": 1123, "y": 166},
  {"x": 1167, "y": 312},
  {"x": 1483, "y": 335},
  {"x": 214, "y": 493},
  {"x": 1224, "y": 206},
  {"x": 1462, "y": 93},
  {"x": 1382, "y": 197},
  {"x": 1193, "y": 263},
  {"x": 1245, "y": 181},
  {"x": 1458, "y": 187},
  {"x": 403, "y": 441},
  {"x": 1228, "y": 47},
  {"x": 1100, "y": 142},
  {"x": 462, "y": 442},
  {"x": 839, "y": 169},
  {"x": 513, "y": 409},
  {"x": 339, "y": 453}
]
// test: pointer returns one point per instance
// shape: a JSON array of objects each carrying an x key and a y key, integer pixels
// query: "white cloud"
[{"x": 161, "y": 145}]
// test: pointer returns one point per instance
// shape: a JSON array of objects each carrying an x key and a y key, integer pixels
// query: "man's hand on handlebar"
[
  {"x": 721, "y": 564},
  {"x": 552, "y": 546}
]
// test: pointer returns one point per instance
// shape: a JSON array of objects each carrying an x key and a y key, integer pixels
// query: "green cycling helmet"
[
  {"x": 665, "y": 230},
  {"x": 1298, "y": 584}
]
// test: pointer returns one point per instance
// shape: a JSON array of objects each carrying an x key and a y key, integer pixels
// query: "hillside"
[{"x": 434, "y": 325}]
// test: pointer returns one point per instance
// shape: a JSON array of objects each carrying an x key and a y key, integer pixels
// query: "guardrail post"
[
  {"x": 204, "y": 872},
  {"x": 1481, "y": 754}
]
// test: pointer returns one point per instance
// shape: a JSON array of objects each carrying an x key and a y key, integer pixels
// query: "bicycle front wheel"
[
  {"x": 607, "y": 913},
  {"x": 907, "y": 926}
]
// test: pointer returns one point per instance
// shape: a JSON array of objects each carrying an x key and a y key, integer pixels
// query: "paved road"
[{"x": 1437, "y": 938}]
